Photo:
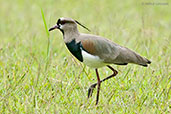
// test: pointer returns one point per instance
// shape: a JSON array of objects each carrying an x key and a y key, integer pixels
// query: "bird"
[{"x": 96, "y": 51}]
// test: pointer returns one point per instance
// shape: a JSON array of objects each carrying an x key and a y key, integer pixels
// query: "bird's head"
[{"x": 66, "y": 24}]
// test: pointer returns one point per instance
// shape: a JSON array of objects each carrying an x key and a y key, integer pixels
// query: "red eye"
[{"x": 62, "y": 22}]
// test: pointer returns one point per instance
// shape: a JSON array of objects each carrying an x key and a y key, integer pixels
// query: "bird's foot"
[{"x": 90, "y": 90}]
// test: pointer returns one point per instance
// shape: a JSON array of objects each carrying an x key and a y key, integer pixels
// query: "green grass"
[{"x": 38, "y": 74}]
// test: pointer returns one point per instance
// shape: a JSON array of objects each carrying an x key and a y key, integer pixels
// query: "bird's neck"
[{"x": 70, "y": 35}]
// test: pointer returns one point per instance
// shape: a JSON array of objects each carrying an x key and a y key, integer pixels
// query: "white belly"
[{"x": 92, "y": 61}]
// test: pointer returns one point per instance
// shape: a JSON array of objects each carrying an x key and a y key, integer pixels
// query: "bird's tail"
[{"x": 142, "y": 60}]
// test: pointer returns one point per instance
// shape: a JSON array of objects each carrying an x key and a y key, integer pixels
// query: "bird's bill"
[{"x": 54, "y": 27}]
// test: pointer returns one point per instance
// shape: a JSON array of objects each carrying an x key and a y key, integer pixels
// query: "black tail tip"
[
  {"x": 145, "y": 65},
  {"x": 149, "y": 62}
]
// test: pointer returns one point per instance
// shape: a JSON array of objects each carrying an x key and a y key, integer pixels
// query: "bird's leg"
[
  {"x": 90, "y": 90},
  {"x": 98, "y": 86}
]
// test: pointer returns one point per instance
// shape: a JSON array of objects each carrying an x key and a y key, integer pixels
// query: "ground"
[{"x": 39, "y": 75}]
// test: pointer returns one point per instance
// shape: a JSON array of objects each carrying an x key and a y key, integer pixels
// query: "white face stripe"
[
  {"x": 61, "y": 26},
  {"x": 62, "y": 18}
]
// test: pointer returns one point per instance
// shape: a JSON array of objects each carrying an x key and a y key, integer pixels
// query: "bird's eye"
[{"x": 62, "y": 22}]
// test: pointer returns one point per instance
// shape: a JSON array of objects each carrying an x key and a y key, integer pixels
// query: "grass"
[{"x": 38, "y": 74}]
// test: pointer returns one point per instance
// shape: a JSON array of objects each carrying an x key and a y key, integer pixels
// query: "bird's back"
[{"x": 110, "y": 52}]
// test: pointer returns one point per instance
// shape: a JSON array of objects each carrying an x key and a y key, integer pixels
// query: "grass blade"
[{"x": 49, "y": 42}]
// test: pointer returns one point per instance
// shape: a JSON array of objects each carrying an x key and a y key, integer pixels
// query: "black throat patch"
[{"x": 75, "y": 49}]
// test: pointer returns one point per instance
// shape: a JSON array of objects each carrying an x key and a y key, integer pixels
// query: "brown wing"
[
  {"x": 101, "y": 47},
  {"x": 111, "y": 52},
  {"x": 89, "y": 46}
]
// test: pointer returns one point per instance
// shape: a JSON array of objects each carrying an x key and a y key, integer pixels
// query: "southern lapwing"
[{"x": 96, "y": 51}]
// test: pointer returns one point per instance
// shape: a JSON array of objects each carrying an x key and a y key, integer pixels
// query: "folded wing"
[{"x": 110, "y": 52}]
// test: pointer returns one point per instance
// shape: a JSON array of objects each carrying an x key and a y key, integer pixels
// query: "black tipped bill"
[{"x": 54, "y": 27}]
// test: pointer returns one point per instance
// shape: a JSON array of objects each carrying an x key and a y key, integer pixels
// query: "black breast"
[{"x": 75, "y": 49}]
